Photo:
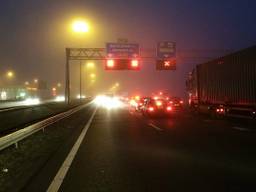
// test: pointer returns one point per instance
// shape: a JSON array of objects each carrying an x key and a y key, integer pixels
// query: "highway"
[
  {"x": 25, "y": 103},
  {"x": 124, "y": 151}
]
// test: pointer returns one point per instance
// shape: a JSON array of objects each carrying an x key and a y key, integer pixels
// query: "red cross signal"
[{"x": 169, "y": 64}]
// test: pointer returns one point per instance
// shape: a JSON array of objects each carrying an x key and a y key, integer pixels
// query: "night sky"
[{"x": 34, "y": 34}]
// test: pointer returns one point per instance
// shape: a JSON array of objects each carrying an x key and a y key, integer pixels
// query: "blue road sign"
[
  {"x": 122, "y": 50},
  {"x": 166, "y": 50}
]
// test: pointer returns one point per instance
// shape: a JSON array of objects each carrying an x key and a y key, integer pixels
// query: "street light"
[
  {"x": 92, "y": 75},
  {"x": 35, "y": 80},
  {"x": 80, "y": 26},
  {"x": 90, "y": 65},
  {"x": 10, "y": 74}
]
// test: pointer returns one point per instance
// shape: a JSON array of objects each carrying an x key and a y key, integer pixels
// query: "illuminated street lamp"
[
  {"x": 90, "y": 65},
  {"x": 92, "y": 75},
  {"x": 35, "y": 80},
  {"x": 80, "y": 26},
  {"x": 26, "y": 83},
  {"x": 9, "y": 74}
]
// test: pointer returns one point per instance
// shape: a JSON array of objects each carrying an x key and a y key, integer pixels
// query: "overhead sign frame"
[
  {"x": 122, "y": 50},
  {"x": 166, "y": 50}
]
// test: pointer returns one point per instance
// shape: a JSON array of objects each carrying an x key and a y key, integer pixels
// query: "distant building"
[{"x": 13, "y": 93}]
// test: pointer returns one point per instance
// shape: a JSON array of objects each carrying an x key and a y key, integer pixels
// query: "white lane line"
[
  {"x": 58, "y": 179},
  {"x": 155, "y": 127},
  {"x": 241, "y": 128}
]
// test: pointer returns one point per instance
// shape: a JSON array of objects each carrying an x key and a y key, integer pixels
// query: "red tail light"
[
  {"x": 169, "y": 108},
  {"x": 181, "y": 102},
  {"x": 159, "y": 103},
  {"x": 151, "y": 109},
  {"x": 171, "y": 102},
  {"x": 220, "y": 110}
]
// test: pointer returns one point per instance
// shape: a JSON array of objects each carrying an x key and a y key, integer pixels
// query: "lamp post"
[{"x": 79, "y": 27}]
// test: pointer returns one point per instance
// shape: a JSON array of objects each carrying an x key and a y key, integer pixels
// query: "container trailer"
[{"x": 225, "y": 86}]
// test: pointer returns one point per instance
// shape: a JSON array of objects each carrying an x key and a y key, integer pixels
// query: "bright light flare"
[
  {"x": 108, "y": 102},
  {"x": 32, "y": 101},
  {"x": 135, "y": 63},
  {"x": 159, "y": 103},
  {"x": 110, "y": 63},
  {"x": 80, "y": 97},
  {"x": 151, "y": 109},
  {"x": 60, "y": 98},
  {"x": 137, "y": 97},
  {"x": 133, "y": 103},
  {"x": 80, "y": 26},
  {"x": 169, "y": 108},
  {"x": 90, "y": 65},
  {"x": 9, "y": 74},
  {"x": 92, "y": 75}
]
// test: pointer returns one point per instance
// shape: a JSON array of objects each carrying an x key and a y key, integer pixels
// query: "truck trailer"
[{"x": 225, "y": 86}]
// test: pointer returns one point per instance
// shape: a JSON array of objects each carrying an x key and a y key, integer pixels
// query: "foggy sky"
[{"x": 34, "y": 34}]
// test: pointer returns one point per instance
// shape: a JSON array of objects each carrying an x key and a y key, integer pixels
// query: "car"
[
  {"x": 153, "y": 107},
  {"x": 176, "y": 103}
]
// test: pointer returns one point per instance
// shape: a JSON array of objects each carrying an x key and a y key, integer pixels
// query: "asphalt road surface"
[{"x": 125, "y": 151}]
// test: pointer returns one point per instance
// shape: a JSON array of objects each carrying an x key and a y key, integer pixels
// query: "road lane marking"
[
  {"x": 241, "y": 128},
  {"x": 155, "y": 127},
  {"x": 59, "y": 177}
]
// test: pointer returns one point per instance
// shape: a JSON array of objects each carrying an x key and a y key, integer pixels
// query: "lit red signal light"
[
  {"x": 110, "y": 63},
  {"x": 122, "y": 64},
  {"x": 167, "y": 63},
  {"x": 134, "y": 63}
]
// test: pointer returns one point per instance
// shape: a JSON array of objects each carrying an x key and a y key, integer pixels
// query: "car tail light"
[
  {"x": 220, "y": 110},
  {"x": 181, "y": 102},
  {"x": 171, "y": 102},
  {"x": 151, "y": 109},
  {"x": 159, "y": 103},
  {"x": 169, "y": 108}
]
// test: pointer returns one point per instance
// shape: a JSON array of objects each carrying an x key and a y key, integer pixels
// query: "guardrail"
[{"x": 15, "y": 137}]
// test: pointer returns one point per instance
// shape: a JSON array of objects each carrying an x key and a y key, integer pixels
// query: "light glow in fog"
[
  {"x": 108, "y": 102},
  {"x": 32, "y": 101}
]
